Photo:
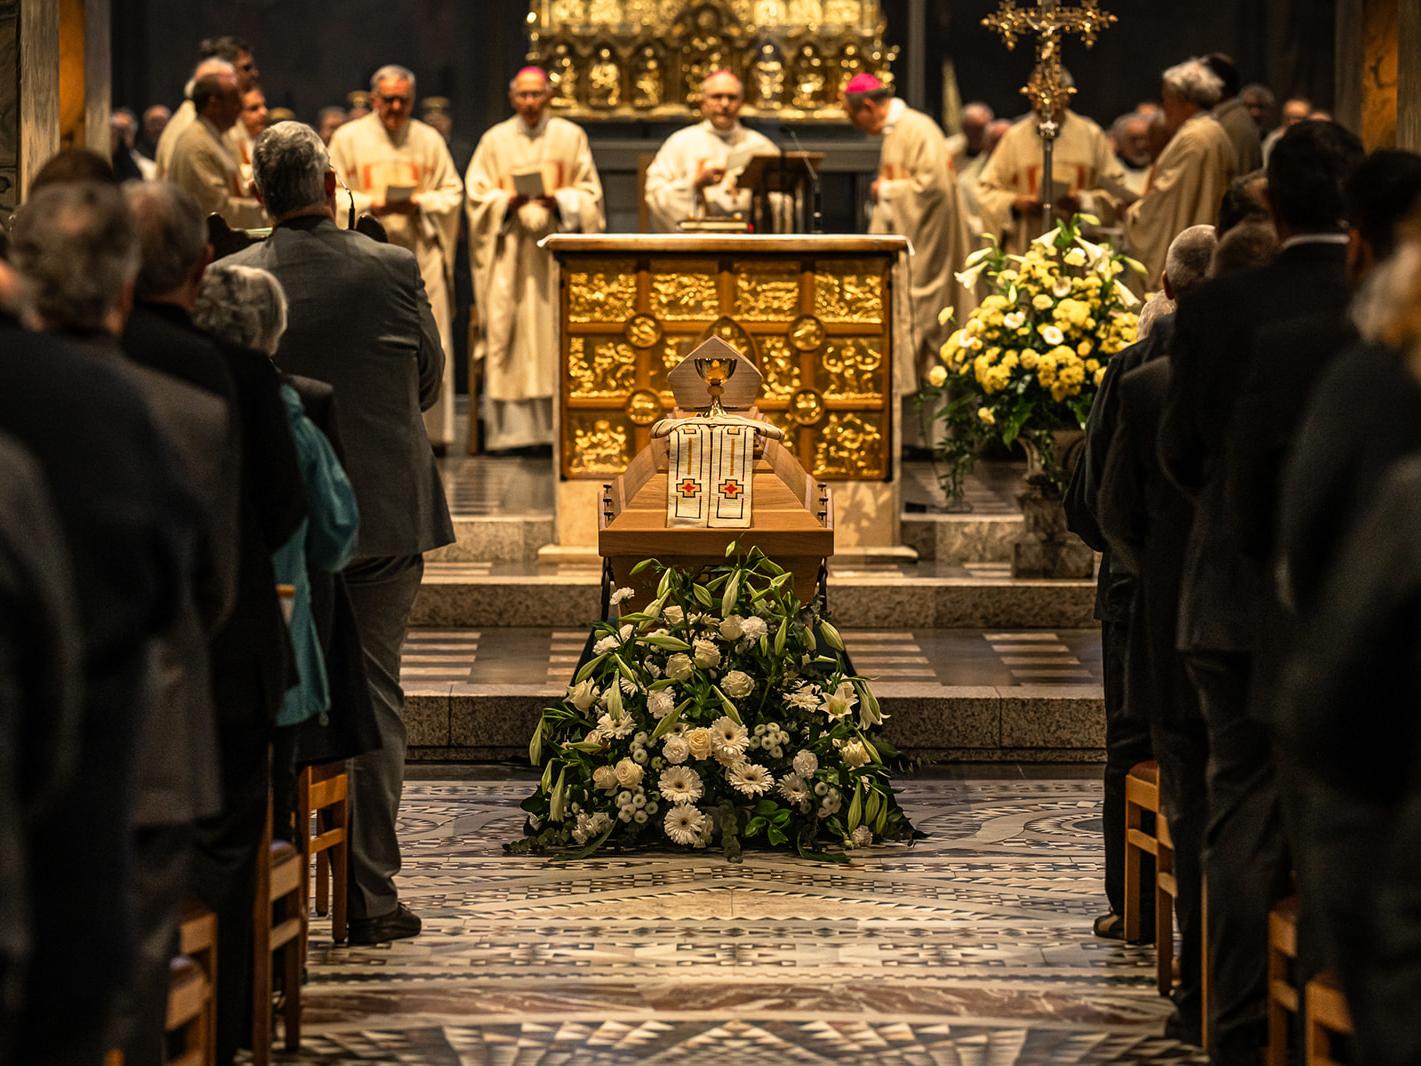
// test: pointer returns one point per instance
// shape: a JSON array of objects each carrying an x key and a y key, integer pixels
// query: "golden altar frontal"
[{"x": 816, "y": 314}]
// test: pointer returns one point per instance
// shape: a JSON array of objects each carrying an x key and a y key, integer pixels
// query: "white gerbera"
[
  {"x": 681, "y": 784},
  {"x": 684, "y": 824},
  {"x": 750, "y": 779},
  {"x": 804, "y": 698},
  {"x": 728, "y": 733},
  {"x": 616, "y": 727},
  {"x": 675, "y": 749},
  {"x": 753, "y": 628},
  {"x": 793, "y": 788},
  {"x": 841, "y": 702}
]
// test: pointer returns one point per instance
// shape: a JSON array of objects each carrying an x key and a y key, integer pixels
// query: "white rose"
[
  {"x": 753, "y": 628},
  {"x": 675, "y": 749},
  {"x": 700, "y": 743},
  {"x": 661, "y": 702},
  {"x": 706, "y": 653},
  {"x": 805, "y": 763},
  {"x": 732, "y": 628},
  {"x": 582, "y": 695},
  {"x": 737, "y": 684},
  {"x": 674, "y": 615},
  {"x": 605, "y": 778},
  {"x": 629, "y": 774},
  {"x": 679, "y": 667},
  {"x": 854, "y": 754}
]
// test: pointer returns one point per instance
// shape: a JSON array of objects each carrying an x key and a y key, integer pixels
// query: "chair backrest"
[{"x": 227, "y": 241}]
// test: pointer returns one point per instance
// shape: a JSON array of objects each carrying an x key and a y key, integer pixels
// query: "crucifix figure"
[{"x": 1049, "y": 20}]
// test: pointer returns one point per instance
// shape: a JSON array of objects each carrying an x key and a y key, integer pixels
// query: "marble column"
[{"x": 54, "y": 62}]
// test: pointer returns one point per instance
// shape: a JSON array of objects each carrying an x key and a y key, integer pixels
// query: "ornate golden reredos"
[{"x": 644, "y": 59}]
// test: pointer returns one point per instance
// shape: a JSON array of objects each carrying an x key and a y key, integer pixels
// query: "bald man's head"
[
  {"x": 206, "y": 69},
  {"x": 722, "y": 96},
  {"x": 530, "y": 94}
]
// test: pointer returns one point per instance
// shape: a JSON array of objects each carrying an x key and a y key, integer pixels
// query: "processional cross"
[{"x": 1049, "y": 20}]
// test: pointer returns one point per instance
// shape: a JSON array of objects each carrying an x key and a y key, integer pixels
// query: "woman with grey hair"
[{"x": 243, "y": 306}]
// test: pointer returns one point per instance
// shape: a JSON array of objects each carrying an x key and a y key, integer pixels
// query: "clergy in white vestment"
[
  {"x": 916, "y": 195},
  {"x": 1190, "y": 176},
  {"x": 694, "y": 173},
  {"x": 399, "y": 170},
  {"x": 513, "y": 277},
  {"x": 1085, "y": 172}
]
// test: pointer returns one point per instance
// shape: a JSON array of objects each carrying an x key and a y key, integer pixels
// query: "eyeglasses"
[{"x": 389, "y": 98}]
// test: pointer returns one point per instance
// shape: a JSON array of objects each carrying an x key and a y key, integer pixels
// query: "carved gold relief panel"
[
  {"x": 685, "y": 294},
  {"x": 766, "y": 294},
  {"x": 852, "y": 368},
  {"x": 602, "y": 292},
  {"x": 851, "y": 444},
  {"x": 600, "y": 366},
  {"x": 846, "y": 292},
  {"x": 601, "y": 445}
]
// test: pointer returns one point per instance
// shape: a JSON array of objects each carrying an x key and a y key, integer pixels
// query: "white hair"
[
  {"x": 1195, "y": 82},
  {"x": 1187, "y": 261},
  {"x": 242, "y": 305},
  {"x": 392, "y": 72},
  {"x": 289, "y": 165},
  {"x": 1156, "y": 307}
]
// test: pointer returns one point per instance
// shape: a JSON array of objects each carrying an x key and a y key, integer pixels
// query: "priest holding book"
[
  {"x": 531, "y": 175},
  {"x": 399, "y": 170},
  {"x": 694, "y": 173}
]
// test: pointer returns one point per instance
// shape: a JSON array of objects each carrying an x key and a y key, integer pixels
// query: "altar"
[{"x": 816, "y": 314}]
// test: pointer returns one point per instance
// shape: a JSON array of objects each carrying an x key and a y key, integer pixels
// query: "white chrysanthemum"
[
  {"x": 805, "y": 763},
  {"x": 661, "y": 702},
  {"x": 841, "y": 702},
  {"x": 616, "y": 727},
  {"x": 793, "y": 788},
  {"x": 737, "y": 684},
  {"x": 804, "y": 698},
  {"x": 861, "y": 837},
  {"x": 684, "y": 824},
  {"x": 681, "y": 784},
  {"x": 707, "y": 655},
  {"x": 620, "y": 595},
  {"x": 753, "y": 628},
  {"x": 728, "y": 733},
  {"x": 675, "y": 749},
  {"x": 606, "y": 644},
  {"x": 750, "y": 779}
]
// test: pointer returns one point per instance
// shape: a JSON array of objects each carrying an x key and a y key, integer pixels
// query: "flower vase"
[{"x": 1046, "y": 548}]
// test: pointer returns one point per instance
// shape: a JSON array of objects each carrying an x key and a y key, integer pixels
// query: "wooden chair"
[
  {"x": 192, "y": 1000},
  {"x": 279, "y": 929},
  {"x": 324, "y": 798},
  {"x": 1283, "y": 998},
  {"x": 1166, "y": 891},
  {"x": 1141, "y": 799},
  {"x": 1327, "y": 1017}
]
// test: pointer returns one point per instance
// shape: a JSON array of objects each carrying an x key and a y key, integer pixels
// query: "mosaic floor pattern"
[{"x": 971, "y": 948}]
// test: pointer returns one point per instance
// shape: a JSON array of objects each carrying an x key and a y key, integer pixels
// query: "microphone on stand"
[{"x": 816, "y": 214}]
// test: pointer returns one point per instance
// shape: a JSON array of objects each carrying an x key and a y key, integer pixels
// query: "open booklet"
[{"x": 528, "y": 182}]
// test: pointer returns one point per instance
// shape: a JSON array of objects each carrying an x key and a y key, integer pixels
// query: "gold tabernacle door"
[{"x": 816, "y": 314}]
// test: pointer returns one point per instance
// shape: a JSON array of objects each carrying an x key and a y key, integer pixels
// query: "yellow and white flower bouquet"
[
  {"x": 1026, "y": 363},
  {"x": 723, "y": 712}
]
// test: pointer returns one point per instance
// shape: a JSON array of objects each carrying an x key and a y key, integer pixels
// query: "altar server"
[
  {"x": 399, "y": 170},
  {"x": 513, "y": 277},
  {"x": 916, "y": 195},
  {"x": 690, "y": 176}
]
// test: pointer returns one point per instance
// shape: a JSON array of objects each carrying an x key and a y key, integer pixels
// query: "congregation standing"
[{"x": 179, "y": 436}]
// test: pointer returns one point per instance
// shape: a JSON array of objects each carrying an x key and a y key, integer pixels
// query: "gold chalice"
[{"x": 715, "y": 371}]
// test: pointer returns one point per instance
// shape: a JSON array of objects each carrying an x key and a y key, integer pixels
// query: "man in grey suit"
[{"x": 359, "y": 320}]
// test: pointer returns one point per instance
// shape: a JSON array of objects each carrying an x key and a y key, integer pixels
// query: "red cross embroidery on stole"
[
  {"x": 730, "y": 489},
  {"x": 688, "y": 488}
]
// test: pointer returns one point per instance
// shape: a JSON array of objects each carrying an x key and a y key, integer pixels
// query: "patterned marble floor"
[{"x": 972, "y": 947}]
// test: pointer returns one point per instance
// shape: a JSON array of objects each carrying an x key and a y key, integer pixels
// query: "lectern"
[{"x": 796, "y": 174}]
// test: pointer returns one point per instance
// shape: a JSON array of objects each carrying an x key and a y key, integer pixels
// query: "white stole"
[{"x": 710, "y": 476}]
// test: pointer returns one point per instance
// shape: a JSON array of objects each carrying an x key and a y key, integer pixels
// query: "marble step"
[
  {"x": 452, "y": 721},
  {"x": 487, "y": 594}
]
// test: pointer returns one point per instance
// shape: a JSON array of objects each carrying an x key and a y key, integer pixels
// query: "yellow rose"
[
  {"x": 937, "y": 377},
  {"x": 1029, "y": 358},
  {"x": 1092, "y": 365},
  {"x": 985, "y": 414},
  {"x": 1041, "y": 301},
  {"x": 1010, "y": 360},
  {"x": 995, "y": 302}
]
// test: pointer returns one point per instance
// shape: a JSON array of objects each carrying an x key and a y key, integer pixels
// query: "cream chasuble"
[
  {"x": 670, "y": 180},
  {"x": 1184, "y": 189},
  {"x": 370, "y": 161},
  {"x": 513, "y": 278},
  {"x": 918, "y": 197},
  {"x": 1082, "y": 158}
]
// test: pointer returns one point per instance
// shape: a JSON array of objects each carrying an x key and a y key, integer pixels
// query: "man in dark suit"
[
  {"x": 130, "y": 522},
  {"x": 358, "y": 319},
  {"x": 260, "y": 507},
  {"x": 1127, "y": 720},
  {"x": 1217, "y": 327}
]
